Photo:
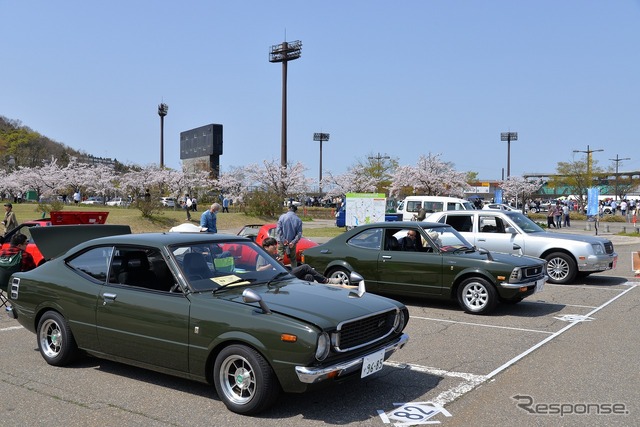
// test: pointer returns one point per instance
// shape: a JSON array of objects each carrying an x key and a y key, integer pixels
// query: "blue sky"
[{"x": 400, "y": 78}]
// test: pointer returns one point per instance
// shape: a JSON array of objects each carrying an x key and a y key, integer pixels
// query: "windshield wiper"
[
  {"x": 278, "y": 277},
  {"x": 238, "y": 280}
]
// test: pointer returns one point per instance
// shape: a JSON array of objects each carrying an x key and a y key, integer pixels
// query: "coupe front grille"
[
  {"x": 608, "y": 247},
  {"x": 364, "y": 331},
  {"x": 533, "y": 271}
]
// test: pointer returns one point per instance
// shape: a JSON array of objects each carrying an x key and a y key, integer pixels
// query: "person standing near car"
[
  {"x": 208, "y": 219},
  {"x": 550, "y": 215},
  {"x": 10, "y": 222},
  {"x": 18, "y": 245},
  {"x": 565, "y": 214},
  {"x": 288, "y": 234}
]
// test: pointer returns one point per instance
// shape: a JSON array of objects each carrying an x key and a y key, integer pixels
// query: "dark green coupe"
[
  {"x": 435, "y": 262},
  {"x": 195, "y": 305}
]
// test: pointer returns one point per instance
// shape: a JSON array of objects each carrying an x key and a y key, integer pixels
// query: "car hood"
[
  {"x": 57, "y": 240},
  {"x": 574, "y": 237},
  {"x": 301, "y": 300}
]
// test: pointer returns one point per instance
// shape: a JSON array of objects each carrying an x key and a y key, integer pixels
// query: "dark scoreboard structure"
[{"x": 202, "y": 144}]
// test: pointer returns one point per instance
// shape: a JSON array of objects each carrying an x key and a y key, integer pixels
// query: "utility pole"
[
  {"x": 618, "y": 160},
  {"x": 588, "y": 153}
]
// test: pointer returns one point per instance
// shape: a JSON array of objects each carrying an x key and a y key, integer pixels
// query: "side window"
[
  {"x": 368, "y": 239},
  {"x": 488, "y": 224},
  {"x": 93, "y": 263},
  {"x": 454, "y": 206},
  {"x": 141, "y": 267},
  {"x": 432, "y": 207},
  {"x": 462, "y": 223},
  {"x": 413, "y": 206}
]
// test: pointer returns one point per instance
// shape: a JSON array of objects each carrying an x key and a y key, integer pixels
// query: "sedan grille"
[
  {"x": 364, "y": 331},
  {"x": 608, "y": 247}
]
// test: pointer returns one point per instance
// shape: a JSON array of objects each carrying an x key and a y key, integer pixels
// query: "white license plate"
[
  {"x": 539, "y": 286},
  {"x": 372, "y": 363}
]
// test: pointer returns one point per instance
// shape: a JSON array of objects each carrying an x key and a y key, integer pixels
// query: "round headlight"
[
  {"x": 324, "y": 345},
  {"x": 400, "y": 320}
]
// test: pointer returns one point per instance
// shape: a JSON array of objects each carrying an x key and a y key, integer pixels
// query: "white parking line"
[
  {"x": 556, "y": 334},
  {"x": 482, "y": 325},
  {"x": 471, "y": 381},
  {"x": 11, "y": 328},
  {"x": 598, "y": 288}
]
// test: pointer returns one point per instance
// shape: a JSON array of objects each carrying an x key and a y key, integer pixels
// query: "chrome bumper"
[{"x": 310, "y": 375}]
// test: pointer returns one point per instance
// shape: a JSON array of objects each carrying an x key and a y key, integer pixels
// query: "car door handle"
[
  {"x": 386, "y": 257},
  {"x": 108, "y": 296},
  {"x": 325, "y": 251}
]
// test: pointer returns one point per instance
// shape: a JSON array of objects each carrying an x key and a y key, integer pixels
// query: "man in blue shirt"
[
  {"x": 288, "y": 233},
  {"x": 208, "y": 219}
]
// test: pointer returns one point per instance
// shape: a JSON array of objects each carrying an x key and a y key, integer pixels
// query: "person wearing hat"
[{"x": 10, "y": 222}]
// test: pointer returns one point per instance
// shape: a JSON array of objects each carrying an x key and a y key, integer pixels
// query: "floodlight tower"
[
  {"x": 163, "y": 109},
  {"x": 285, "y": 52},
  {"x": 508, "y": 136},
  {"x": 318, "y": 136}
]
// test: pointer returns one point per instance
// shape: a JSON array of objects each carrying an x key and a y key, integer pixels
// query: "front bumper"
[
  {"x": 597, "y": 262},
  {"x": 311, "y": 375},
  {"x": 539, "y": 282}
]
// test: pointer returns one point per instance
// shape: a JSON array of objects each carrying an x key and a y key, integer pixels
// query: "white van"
[{"x": 410, "y": 206}]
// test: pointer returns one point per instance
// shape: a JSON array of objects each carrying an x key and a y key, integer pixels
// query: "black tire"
[
  {"x": 477, "y": 296},
  {"x": 339, "y": 273},
  {"x": 244, "y": 380},
  {"x": 55, "y": 341},
  {"x": 561, "y": 268}
]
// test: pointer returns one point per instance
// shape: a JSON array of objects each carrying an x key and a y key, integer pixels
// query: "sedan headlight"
[
  {"x": 598, "y": 249},
  {"x": 516, "y": 275},
  {"x": 323, "y": 347}
]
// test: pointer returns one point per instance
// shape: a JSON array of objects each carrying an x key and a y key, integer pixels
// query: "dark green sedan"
[
  {"x": 207, "y": 307},
  {"x": 428, "y": 260}
]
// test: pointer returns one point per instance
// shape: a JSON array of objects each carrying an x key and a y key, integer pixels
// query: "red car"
[
  {"x": 259, "y": 232},
  {"x": 57, "y": 218}
]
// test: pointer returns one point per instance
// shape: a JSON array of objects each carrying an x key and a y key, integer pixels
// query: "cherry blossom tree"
[
  {"x": 431, "y": 177},
  {"x": 271, "y": 176},
  {"x": 353, "y": 181},
  {"x": 516, "y": 186}
]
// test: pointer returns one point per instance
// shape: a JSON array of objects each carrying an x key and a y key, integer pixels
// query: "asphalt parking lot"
[{"x": 559, "y": 350}]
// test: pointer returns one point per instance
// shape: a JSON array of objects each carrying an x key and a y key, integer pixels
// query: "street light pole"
[
  {"x": 618, "y": 160},
  {"x": 508, "y": 136},
  {"x": 163, "y": 109},
  {"x": 285, "y": 52},
  {"x": 588, "y": 153},
  {"x": 318, "y": 136}
]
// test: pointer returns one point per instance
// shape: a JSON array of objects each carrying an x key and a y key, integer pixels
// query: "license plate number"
[
  {"x": 539, "y": 286},
  {"x": 372, "y": 363}
]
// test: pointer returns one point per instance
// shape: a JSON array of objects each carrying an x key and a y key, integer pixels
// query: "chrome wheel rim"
[
  {"x": 238, "y": 380},
  {"x": 475, "y": 296},
  {"x": 557, "y": 268},
  {"x": 51, "y": 338}
]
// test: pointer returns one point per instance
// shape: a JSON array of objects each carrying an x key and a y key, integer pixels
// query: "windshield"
[
  {"x": 210, "y": 266},
  {"x": 524, "y": 222}
]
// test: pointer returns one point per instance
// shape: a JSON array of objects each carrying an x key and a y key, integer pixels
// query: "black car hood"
[{"x": 56, "y": 240}]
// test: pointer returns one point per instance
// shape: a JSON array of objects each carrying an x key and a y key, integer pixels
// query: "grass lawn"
[{"x": 169, "y": 217}]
